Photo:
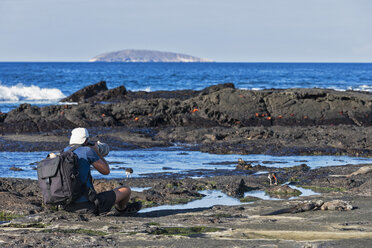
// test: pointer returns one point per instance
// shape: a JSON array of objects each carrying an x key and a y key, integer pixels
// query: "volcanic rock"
[
  {"x": 86, "y": 92},
  {"x": 115, "y": 94},
  {"x": 281, "y": 191}
]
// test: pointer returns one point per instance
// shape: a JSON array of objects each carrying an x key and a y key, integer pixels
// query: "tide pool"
[{"x": 170, "y": 160}]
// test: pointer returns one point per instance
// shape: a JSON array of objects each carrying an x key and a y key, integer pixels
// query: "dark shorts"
[{"x": 106, "y": 202}]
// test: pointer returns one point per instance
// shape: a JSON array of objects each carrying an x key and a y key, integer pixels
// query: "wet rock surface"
[{"x": 283, "y": 191}]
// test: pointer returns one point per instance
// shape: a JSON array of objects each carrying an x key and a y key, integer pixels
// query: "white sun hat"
[{"x": 79, "y": 136}]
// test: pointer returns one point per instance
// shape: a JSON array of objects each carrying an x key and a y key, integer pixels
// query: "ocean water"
[{"x": 46, "y": 83}]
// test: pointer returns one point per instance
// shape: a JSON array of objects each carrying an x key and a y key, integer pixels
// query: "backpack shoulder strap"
[{"x": 72, "y": 148}]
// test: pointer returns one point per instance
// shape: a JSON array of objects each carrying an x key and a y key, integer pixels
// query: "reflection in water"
[
  {"x": 211, "y": 198},
  {"x": 216, "y": 197},
  {"x": 262, "y": 194},
  {"x": 138, "y": 189}
]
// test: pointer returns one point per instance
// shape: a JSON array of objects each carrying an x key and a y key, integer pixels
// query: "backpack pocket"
[{"x": 48, "y": 168}]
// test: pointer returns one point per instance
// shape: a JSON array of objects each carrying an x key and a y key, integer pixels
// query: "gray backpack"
[{"x": 59, "y": 179}]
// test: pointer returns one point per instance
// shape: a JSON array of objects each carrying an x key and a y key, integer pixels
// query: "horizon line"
[{"x": 211, "y": 62}]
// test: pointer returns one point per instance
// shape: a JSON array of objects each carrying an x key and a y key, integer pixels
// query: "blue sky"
[{"x": 230, "y": 30}]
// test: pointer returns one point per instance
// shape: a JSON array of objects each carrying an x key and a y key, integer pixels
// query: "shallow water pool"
[
  {"x": 216, "y": 197},
  {"x": 170, "y": 160},
  {"x": 211, "y": 198},
  {"x": 262, "y": 194}
]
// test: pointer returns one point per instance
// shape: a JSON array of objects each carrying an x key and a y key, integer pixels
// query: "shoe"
[{"x": 131, "y": 208}]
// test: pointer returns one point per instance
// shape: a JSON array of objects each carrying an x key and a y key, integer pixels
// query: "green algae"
[
  {"x": 249, "y": 199},
  {"x": 8, "y": 217},
  {"x": 153, "y": 224},
  {"x": 27, "y": 225},
  {"x": 147, "y": 204},
  {"x": 76, "y": 231}
]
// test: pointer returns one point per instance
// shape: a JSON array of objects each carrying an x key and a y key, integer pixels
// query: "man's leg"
[{"x": 122, "y": 197}]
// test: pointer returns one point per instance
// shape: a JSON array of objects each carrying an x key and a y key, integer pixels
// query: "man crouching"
[{"x": 90, "y": 202}]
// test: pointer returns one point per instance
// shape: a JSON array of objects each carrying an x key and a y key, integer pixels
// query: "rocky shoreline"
[{"x": 219, "y": 119}]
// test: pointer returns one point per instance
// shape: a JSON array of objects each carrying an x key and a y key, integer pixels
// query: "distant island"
[{"x": 130, "y": 55}]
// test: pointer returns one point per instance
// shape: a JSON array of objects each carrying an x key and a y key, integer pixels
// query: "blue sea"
[{"x": 46, "y": 83}]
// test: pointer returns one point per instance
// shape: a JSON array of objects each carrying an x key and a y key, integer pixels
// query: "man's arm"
[{"x": 101, "y": 165}]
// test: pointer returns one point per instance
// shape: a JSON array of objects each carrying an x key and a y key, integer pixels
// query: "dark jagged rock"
[
  {"x": 242, "y": 165},
  {"x": 218, "y": 87},
  {"x": 115, "y": 94},
  {"x": 174, "y": 94},
  {"x": 236, "y": 189},
  {"x": 13, "y": 168},
  {"x": 86, "y": 92},
  {"x": 120, "y": 94},
  {"x": 225, "y": 107},
  {"x": 292, "y": 107},
  {"x": 2, "y": 116}
]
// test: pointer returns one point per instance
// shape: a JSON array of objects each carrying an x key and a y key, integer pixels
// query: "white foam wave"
[
  {"x": 147, "y": 89},
  {"x": 20, "y": 92},
  {"x": 336, "y": 88},
  {"x": 256, "y": 89},
  {"x": 364, "y": 87}
]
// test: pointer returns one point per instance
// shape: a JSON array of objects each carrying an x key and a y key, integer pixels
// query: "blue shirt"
[{"x": 87, "y": 156}]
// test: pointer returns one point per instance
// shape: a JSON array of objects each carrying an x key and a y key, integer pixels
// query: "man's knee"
[
  {"x": 122, "y": 193},
  {"x": 125, "y": 189}
]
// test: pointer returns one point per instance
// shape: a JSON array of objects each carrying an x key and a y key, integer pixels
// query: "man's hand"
[
  {"x": 101, "y": 165},
  {"x": 95, "y": 148}
]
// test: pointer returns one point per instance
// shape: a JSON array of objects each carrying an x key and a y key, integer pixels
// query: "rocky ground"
[
  {"x": 343, "y": 219},
  {"x": 218, "y": 119}
]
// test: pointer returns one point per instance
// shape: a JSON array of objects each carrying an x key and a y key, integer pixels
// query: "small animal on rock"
[
  {"x": 243, "y": 165},
  {"x": 129, "y": 172},
  {"x": 241, "y": 162},
  {"x": 272, "y": 176}
]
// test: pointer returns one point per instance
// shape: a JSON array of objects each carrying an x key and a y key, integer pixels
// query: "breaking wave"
[
  {"x": 21, "y": 92},
  {"x": 147, "y": 89},
  {"x": 363, "y": 87}
]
